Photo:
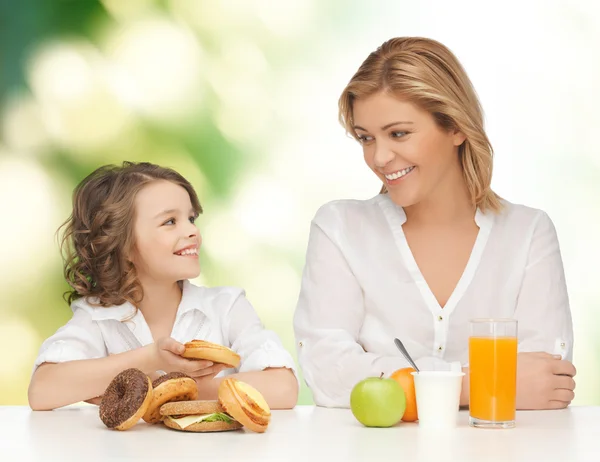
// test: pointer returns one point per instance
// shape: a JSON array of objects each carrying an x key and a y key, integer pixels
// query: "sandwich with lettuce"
[{"x": 239, "y": 405}]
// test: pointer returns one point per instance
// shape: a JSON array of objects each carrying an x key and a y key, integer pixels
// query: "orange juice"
[{"x": 493, "y": 378}]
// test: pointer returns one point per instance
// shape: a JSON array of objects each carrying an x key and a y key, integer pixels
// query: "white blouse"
[
  {"x": 361, "y": 287},
  {"x": 221, "y": 315}
]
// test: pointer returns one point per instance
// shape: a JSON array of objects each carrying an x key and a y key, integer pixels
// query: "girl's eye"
[
  {"x": 192, "y": 219},
  {"x": 171, "y": 221}
]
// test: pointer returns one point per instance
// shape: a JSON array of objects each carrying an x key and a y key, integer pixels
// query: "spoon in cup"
[{"x": 405, "y": 354}]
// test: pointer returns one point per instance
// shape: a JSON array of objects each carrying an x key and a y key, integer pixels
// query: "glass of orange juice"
[{"x": 493, "y": 373}]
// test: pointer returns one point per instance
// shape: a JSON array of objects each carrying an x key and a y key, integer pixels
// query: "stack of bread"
[{"x": 172, "y": 398}]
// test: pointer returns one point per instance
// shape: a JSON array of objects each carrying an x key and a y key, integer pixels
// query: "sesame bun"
[
  {"x": 180, "y": 416},
  {"x": 204, "y": 427},
  {"x": 218, "y": 354},
  {"x": 198, "y": 407}
]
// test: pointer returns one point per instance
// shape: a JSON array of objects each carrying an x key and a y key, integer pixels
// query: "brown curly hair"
[{"x": 98, "y": 236}]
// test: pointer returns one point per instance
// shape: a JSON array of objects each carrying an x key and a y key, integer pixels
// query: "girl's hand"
[{"x": 165, "y": 355}]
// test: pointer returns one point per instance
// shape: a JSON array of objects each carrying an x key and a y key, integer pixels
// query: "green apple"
[{"x": 378, "y": 402}]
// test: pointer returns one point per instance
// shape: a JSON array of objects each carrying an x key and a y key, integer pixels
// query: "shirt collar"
[
  {"x": 189, "y": 301},
  {"x": 484, "y": 220}
]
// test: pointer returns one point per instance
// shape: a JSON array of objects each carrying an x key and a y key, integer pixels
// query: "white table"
[{"x": 302, "y": 434}]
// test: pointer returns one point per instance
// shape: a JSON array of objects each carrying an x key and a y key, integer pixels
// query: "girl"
[
  {"x": 130, "y": 246},
  {"x": 436, "y": 248}
]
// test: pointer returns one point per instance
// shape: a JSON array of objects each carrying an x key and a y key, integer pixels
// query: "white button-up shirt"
[
  {"x": 361, "y": 287},
  {"x": 221, "y": 315}
]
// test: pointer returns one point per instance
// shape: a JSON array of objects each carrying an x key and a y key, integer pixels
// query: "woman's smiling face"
[{"x": 405, "y": 147}]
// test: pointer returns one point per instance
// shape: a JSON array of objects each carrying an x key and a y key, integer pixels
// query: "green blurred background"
[{"x": 240, "y": 96}]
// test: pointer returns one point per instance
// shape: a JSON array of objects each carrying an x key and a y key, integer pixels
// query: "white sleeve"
[
  {"x": 258, "y": 347},
  {"x": 327, "y": 323},
  {"x": 80, "y": 338},
  {"x": 543, "y": 312}
]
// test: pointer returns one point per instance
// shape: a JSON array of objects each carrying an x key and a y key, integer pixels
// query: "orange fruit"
[{"x": 407, "y": 382}]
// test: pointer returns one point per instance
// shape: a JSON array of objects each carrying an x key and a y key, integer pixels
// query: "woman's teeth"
[
  {"x": 399, "y": 173},
  {"x": 188, "y": 252}
]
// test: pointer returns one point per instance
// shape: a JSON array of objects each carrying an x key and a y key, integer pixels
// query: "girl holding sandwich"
[{"x": 130, "y": 247}]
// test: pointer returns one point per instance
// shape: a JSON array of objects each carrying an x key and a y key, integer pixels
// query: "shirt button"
[
  {"x": 300, "y": 343},
  {"x": 440, "y": 318},
  {"x": 440, "y": 348},
  {"x": 562, "y": 345}
]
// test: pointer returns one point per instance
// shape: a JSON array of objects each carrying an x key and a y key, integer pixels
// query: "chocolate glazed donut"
[{"x": 126, "y": 399}]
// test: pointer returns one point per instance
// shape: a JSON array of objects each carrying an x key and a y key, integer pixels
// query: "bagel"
[
  {"x": 174, "y": 386},
  {"x": 218, "y": 354}
]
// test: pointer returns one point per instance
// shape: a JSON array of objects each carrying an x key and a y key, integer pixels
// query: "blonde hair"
[{"x": 426, "y": 73}]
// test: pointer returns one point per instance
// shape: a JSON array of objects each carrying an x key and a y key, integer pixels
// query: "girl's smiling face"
[{"x": 166, "y": 238}]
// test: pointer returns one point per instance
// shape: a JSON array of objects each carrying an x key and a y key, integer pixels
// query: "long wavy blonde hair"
[
  {"x": 98, "y": 238},
  {"x": 426, "y": 73}
]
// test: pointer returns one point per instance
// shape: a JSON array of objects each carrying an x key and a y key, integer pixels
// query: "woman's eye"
[
  {"x": 365, "y": 138},
  {"x": 398, "y": 134}
]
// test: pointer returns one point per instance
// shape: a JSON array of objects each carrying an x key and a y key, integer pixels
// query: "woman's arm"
[
  {"x": 327, "y": 324},
  {"x": 545, "y": 372},
  {"x": 545, "y": 330},
  {"x": 543, "y": 311}
]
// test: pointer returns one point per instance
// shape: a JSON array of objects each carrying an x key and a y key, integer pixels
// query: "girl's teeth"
[{"x": 189, "y": 252}]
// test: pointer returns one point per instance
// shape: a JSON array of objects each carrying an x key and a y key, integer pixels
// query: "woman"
[{"x": 436, "y": 248}]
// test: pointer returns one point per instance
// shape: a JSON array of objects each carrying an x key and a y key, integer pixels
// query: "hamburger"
[
  {"x": 198, "y": 416},
  {"x": 238, "y": 405}
]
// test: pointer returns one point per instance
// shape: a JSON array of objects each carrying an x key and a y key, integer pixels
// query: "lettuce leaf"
[{"x": 218, "y": 417}]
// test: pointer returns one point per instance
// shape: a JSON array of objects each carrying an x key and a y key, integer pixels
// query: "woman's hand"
[{"x": 544, "y": 381}]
